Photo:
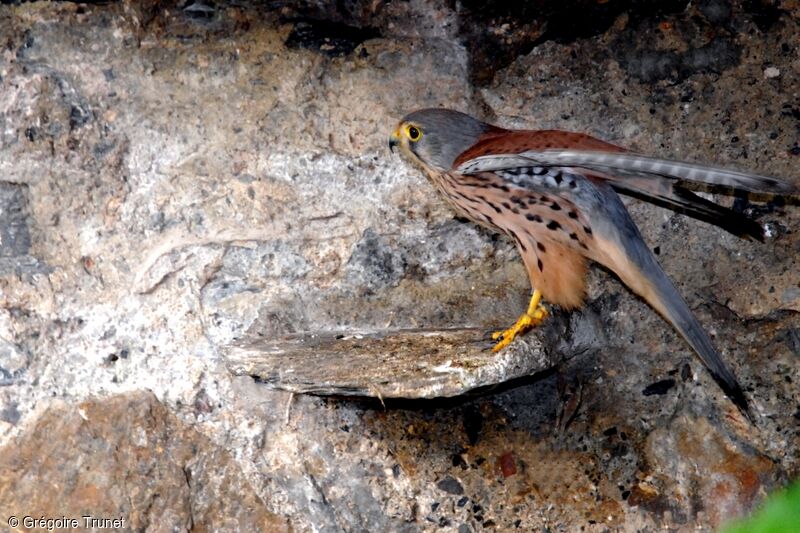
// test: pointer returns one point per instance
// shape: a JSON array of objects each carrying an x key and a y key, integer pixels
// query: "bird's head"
[{"x": 436, "y": 137}]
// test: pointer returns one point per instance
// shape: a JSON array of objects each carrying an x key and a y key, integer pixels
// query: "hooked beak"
[{"x": 394, "y": 140}]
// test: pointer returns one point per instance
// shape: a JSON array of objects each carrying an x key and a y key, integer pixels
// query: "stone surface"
[
  {"x": 127, "y": 458},
  {"x": 407, "y": 364},
  {"x": 181, "y": 176}
]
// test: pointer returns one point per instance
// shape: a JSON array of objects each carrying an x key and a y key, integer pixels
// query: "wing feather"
[
  {"x": 625, "y": 165},
  {"x": 647, "y": 178}
]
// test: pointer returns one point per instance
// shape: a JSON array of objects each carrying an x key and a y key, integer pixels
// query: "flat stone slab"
[{"x": 407, "y": 363}]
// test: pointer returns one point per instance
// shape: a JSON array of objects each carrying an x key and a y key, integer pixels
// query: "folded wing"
[{"x": 655, "y": 180}]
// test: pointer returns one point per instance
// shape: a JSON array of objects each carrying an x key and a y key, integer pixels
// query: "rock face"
[
  {"x": 176, "y": 177},
  {"x": 127, "y": 458}
]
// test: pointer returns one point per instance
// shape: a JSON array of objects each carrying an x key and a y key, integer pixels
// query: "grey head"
[{"x": 436, "y": 137}]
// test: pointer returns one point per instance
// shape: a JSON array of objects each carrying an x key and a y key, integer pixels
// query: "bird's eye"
[{"x": 413, "y": 133}]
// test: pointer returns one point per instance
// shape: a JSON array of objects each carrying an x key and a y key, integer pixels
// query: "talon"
[
  {"x": 533, "y": 317},
  {"x": 523, "y": 324},
  {"x": 505, "y": 341}
]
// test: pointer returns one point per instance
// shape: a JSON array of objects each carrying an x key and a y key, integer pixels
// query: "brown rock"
[
  {"x": 721, "y": 478},
  {"x": 126, "y": 457},
  {"x": 507, "y": 464}
]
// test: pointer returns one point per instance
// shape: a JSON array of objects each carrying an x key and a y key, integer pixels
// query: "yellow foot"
[{"x": 523, "y": 324}]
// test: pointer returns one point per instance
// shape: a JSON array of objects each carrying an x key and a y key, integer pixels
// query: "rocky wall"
[{"x": 175, "y": 177}]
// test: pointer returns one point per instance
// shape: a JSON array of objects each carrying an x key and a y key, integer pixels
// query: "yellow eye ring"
[{"x": 413, "y": 133}]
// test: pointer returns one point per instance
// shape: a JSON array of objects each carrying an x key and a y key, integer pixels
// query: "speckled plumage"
[{"x": 555, "y": 194}]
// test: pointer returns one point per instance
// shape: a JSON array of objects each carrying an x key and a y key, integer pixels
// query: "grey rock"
[
  {"x": 374, "y": 263},
  {"x": 450, "y": 485},
  {"x": 10, "y": 413},
  {"x": 386, "y": 364},
  {"x": 716, "y": 11},
  {"x": 15, "y": 237},
  {"x": 12, "y": 362}
]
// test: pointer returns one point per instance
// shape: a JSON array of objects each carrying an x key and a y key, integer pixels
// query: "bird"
[{"x": 556, "y": 194}]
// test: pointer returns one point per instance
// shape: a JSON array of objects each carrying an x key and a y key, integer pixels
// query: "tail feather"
[
  {"x": 664, "y": 297},
  {"x": 630, "y": 258}
]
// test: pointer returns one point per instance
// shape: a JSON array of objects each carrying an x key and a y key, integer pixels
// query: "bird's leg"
[{"x": 532, "y": 317}]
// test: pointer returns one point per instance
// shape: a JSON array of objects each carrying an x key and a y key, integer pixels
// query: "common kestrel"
[{"x": 555, "y": 194}]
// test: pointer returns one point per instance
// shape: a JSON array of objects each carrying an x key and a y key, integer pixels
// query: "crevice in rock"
[{"x": 333, "y": 39}]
